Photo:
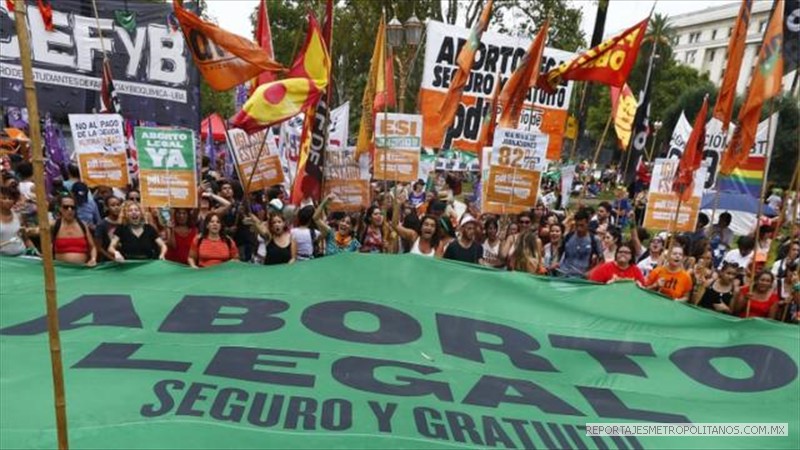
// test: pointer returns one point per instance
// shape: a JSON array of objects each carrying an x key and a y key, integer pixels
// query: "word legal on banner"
[
  {"x": 99, "y": 142},
  {"x": 246, "y": 148},
  {"x": 516, "y": 163},
  {"x": 501, "y": 53},
  {"x": 345, "y": 179},
  {"x": 398, "y": 140},
  {"x": 167, "y": 167},
  {"x": 662, "y": 201}
]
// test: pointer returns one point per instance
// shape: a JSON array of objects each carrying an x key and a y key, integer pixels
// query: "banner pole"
[
  {"x": 54, "y": 338},
  {"x": 578, "y": 125},
  {"x": 596, "y": 155}
]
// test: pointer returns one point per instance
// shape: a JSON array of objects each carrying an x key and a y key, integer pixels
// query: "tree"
[{"x": 524, "y": 17}]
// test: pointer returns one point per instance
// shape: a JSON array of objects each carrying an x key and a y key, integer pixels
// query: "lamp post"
[
  {"x": 656, "y": 126},
  {"x": 404, "y": 38}
]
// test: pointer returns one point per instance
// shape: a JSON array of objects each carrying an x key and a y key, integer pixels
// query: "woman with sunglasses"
[
  {"x": 621, "y": 268},
  {"x": 136, "y": 239},
  {"x": 762, "y": 301},
  {"x": 72, "y": 241}
]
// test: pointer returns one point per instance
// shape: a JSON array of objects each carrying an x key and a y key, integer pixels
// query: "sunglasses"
[
  {"x": 68, "y": 207},
  {"x": 525, "y": 222}
]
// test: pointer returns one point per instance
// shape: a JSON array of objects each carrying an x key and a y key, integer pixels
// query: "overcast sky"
[{"x": 233, "y": 15}]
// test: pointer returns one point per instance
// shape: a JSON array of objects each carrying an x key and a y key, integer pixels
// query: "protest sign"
[
  {"x": 521, "y": 149},
  {"x": 546, "y": 113},
  {"x": 662, "y": 202},
  {"x": 99, "y": 142},
  {"x": 398, "y": 144},
  {"x": 167, "y": 167},
  {"x": 567, "y": 177},
  {"x": 345, "y": 179},
  {"x": 245, "y": 149},
  {"x": 160, "y": 355}
]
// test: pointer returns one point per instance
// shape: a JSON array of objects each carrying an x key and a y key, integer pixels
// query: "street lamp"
[
  {"x": 656, "y": 126},
  {"x": 404, "y": 38}
]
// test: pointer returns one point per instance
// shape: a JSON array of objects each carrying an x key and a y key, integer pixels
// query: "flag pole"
[
  {"x": 578, "y": 125},
  {"x": 21, "y": 22},
  {"x": 597, "y": 152},
  {"x": 761, "y": 200}
]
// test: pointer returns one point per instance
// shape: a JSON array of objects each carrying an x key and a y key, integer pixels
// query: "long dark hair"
[
  {"x": 222, "y": 234},
  {"x": 437, "y": 233}
]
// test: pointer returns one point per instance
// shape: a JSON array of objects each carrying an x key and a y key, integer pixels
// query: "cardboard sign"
[
  {"x": 99, "y": 142},
  {"x": 346, "y": 179},
  {"x": 167, "y": 167},
  {"x": 546, "y": 113},
  {"x": 512, "y": 186},
  {"x": 398, "y": 141},
  {"x": 521, "y": 149},
  {"x": 662, "y": 202},
  {"x": 245, "y": 149}
]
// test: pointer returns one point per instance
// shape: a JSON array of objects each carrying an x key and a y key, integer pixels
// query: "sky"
[{"x": 233, "y": 15}]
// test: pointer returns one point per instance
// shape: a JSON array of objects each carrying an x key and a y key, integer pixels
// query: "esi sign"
[{"x": 167, "y": 167}]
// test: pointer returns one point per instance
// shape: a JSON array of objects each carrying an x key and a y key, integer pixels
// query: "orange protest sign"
[
  {"x": 512, "y": 186},
  {"x": 351, "y": 195},
  {"x": 396, "y": 165},
  {"x": 104, "y": 169},
  {"x": 245, "y": 149}
]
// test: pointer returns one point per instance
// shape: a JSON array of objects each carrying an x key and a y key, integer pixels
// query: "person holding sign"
[
  {"x": 72, "y": 241},
  {"x": 136, "y": 239},
  {"x": 341, "y": 240},
  {"x": 212, "y": 247},
  {"x": 671, "y": 280}
]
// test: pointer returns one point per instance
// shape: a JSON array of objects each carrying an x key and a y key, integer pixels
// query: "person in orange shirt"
[
  {"x": 213, "y": 246},
  {"x": 671, "y": 280}
]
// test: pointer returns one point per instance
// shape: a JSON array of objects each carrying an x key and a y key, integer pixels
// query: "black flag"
[{"x": 791, "y": 35}]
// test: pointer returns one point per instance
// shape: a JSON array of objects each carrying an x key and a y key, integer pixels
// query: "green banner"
[
  {"x": 165, "y": 148},
  {"x": 378, "y": 351}
]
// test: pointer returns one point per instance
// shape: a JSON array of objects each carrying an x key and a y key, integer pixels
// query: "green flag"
[{"x": 378, "y": 351}]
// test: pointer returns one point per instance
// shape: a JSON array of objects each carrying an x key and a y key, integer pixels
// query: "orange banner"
[
  {"x": 396, "y": 165},
  {"x": 104, "y": 169},
  {"x": 245, "y": 149},
  {"x": 723, "y": 110},
  {"x": 352, "y": 195},
  {"x": 174, "y": 189},
  {"x": 660, "y": 213},
  {"x": 608, "y": 63},
  {"x": 211, "y": 49},
  {"x": 512, "y": 186}
]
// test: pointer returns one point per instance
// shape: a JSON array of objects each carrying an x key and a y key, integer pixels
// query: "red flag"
[
  {"x": 449, "y": 105},
  {"x": 765, "y": 84},
  {"x": 264, "y": 39},
  {"x": 109, "y": 102},
  {"x": 522, "y": 80},
  {"x": 608, "y": 63},
  {"x": 223, "y": 58},
  {"x": 723, "y": 110},
  {"x": 46, "y": 10},
  {"x": 692, "y": 155},
  {"x": 10, "y": 5}
]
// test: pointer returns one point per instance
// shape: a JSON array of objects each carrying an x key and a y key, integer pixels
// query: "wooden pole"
[
  {"x": 761, "y": 204},
  {"x": 787, "y": 195},
  {"x": 596, "y": 155},
  {"x": 578, "y": 125},
  {"x": 652, "y": 149},
  {"x": 44, "y": 224}
]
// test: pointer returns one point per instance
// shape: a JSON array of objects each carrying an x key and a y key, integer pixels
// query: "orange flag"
[
  {"x": 623, "y": 110},
  {"x": 692, "y": 155},
  {"x": 264, "y": 39},
  {"x": 522, "y": 80},
  {"x": 723, "y": 110},
  {"x": 765, "y": 84},
  {"x": 224, "y": 59},
  {"x": 489, "y": 122},
  {"x": 608, "y": 63},
  {"x": 274, "y": 102},
  {"x": 375, "y": 81},
  {"x": 449, "y": 105}
]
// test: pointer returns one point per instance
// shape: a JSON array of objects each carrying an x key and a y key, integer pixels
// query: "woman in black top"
[
  {"x": 281, "y": 246},
  {"x": 136, "y": 240},
  {"x": 719, "y": 295}
]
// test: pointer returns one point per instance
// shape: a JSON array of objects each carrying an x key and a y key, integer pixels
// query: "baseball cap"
[{"x": 81, "y": 191}]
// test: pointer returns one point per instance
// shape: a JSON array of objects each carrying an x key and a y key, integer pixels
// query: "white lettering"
[
  {"x": 87, "y": 45},
  {"x": 134, "y": 50},
  {"x": 167, "y": 63},
  {"x": 46, "y": 47}
]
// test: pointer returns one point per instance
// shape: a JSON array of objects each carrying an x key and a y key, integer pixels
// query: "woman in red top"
[
  {"x": 761, "y": 302},
  {"x": 212, "y": 247},
  {"x": 72, "y": 242},
  {"x": 618, "y": 269},
  {"x": 181, "y": 235}
]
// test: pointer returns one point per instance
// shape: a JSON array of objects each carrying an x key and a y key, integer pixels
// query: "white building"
[{"x": 702, "y": 40}]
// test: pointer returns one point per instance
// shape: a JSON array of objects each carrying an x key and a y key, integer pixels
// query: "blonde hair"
[{"x": 124, "y": 219}]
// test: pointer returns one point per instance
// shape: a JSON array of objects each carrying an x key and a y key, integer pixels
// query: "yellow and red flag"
[
  {"x": 692, "y": 155},
  {"x": 224, "y": 59},
  {"x": 623, "y": 110},
  {"x": 280, "y": 100},
  {"x": 764, "y": 84},
  {"x": 466, "y": 57},
  {"x": 723, "y": 109},
  {"x": 522, "y": 80},
  {"x": 608, "y": 63},
  {"x": 376, "y": 83}
]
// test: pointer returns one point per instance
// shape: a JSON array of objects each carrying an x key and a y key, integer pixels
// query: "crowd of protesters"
[{"x": 603, "y": 244}]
